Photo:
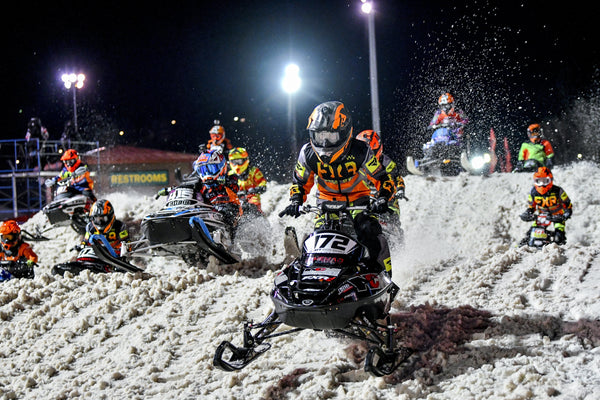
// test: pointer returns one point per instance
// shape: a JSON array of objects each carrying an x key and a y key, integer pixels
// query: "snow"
[{"x": 152, "y": 335}]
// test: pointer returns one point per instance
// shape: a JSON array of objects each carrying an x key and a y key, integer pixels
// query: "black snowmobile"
[
  {"x": 15, "y": 269},
  {"x": 68, "y": 208},
  {"x": 98, "y": 257},
  {"x": 530, "y": 165},
  {"x": 328, "y": 287},
  {"x": 185, "y": 227},
  {"x": 543, "y": 233}
]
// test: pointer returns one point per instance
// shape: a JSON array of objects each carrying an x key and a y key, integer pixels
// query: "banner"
[{"x": 147, "y": 178}]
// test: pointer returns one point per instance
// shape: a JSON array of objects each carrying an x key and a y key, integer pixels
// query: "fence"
[{"x": 25, "y": 164}]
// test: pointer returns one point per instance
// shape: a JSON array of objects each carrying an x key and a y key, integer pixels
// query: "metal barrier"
[{"x": 24, "y": 165}]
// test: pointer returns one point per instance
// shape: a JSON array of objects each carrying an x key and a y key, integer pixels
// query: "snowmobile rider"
[
  {"x": 17, "y": 250},
  {"x": 213, "y": 185},
  {"x": 342, "y": 166},
  {"x": 448, "y": 115},
  {"x": 537, "y": 148},
  {"x": 76, "y": 173},
  {"x": 547, "y": 198},
  {"x": 251, "y": 181},
  {"x": 103, "y": 222},
  {"x": 217, "y": 140}
]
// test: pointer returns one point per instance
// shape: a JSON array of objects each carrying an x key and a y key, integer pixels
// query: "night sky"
[{"x": 507, "y": 63}]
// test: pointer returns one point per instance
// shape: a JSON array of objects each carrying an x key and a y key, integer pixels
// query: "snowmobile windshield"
[{"x": 542, "y": 181}]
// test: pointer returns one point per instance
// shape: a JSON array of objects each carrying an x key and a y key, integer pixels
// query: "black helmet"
[
  {"x": 102, "y": 215},
  {"x": 330, "y": 129}
]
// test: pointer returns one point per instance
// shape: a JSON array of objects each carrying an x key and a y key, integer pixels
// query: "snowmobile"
[
  {"x": 68, "y": 208},
  {"x": 543, "y": 232},
  {"x": 98, "y": 257},
  {"x": 529, "y": 165},
  {"x": 327, "y": 287},
  {"x": 15, "y": 269},
  {"x": 445, "y": 155},
  {"x": 185, "y": 227}
]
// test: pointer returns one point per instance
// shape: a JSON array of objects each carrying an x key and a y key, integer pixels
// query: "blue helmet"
[{"x": 211, "y": 165}]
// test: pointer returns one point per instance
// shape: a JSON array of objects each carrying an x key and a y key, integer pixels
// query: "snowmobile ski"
[
  {"x": 201, "y": 235},
  {"x": 410, "y": 165},
  {"x": 106, "y": 253}
]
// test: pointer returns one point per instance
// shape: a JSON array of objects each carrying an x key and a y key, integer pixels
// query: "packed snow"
[{"x": 515, "y": 323}]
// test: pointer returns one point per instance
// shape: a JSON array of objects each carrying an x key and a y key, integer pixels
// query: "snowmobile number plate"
[
  {"x": 539, "y": 233},
  {"x": 329, "y": 243}
]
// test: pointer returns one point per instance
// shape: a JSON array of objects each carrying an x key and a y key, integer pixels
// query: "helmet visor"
[
  {"x": 9, "y": 237},
  {"x": 238, "y": 161},
  {"x": 101, "y": 221},
  {"x": 325, "y": 138},
  {"x": 542, "y": 181}
]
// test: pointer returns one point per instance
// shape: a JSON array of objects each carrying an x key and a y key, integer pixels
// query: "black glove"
[
  {"x": 557, "y": 218},
  {"x": 549, "y": 163},
  {"x": 379, "y": 206},
  {"x": 293, "y": 209},
  {"x": 527, "y": 216},
  {"x": 567, "y": 214}
]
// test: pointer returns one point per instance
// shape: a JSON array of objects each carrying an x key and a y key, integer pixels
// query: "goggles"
[
  {"x": 542, "y": 181},
  {"x": 70, "y": 163},
  {"x": 101, "y": 220},
  {"x": 238, "y": 161},
  {"x": 325, "y": 138},
  {"x": 216, "y": 136},
  {"x": 9, "y": 237}
]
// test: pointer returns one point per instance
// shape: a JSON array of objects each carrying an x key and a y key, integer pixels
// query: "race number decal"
[{"x": 329, "y": 243}]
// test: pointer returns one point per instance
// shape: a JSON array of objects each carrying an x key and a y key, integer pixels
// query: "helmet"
[
  {"x": 211, "y": 165},
  {"x": 534, "y": 133},
  {"x": 71, "y": 160},
  {"x": 34, "y": 125},
  {"x": 542, "y": 179},
  {"x": 446, "y": 101},
  {"x": 11, "y": 234},
  {"x": 330, "y": 129},
  {"x": 371, "y": 138},
  {"x": 238, "y": 160},
  {"x": 217, "y": 133},
  {"x": 102, "y": 215}
]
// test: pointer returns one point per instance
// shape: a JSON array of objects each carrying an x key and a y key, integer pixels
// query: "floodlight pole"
[{"x": 367, "y": 8}]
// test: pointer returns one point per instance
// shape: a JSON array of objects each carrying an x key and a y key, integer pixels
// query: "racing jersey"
[
  {"x": 555, "y": 201},
  {"x": 346, "y": 179},
  {"x": 536, "y": 151}
]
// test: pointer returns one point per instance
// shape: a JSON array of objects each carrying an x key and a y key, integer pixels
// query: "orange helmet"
[
  {"x": 371, "y": 138},
  {"x": 542, "y": 179},
  {"x": 238, "y": 160},
  {"x": 330, "y": 130},
  {"x": 71, "y": 160},
  {"x": 217, "y": 133},
  {"x": 11, "y": 234},
  {"x": 534, "y": 133},
  {"x": 446, "y": 101}
]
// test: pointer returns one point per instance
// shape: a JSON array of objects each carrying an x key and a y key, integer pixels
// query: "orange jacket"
[
  {"x": 24, "y": 251},
  {"x": 346, "y": 179}
]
